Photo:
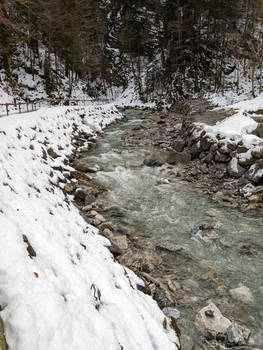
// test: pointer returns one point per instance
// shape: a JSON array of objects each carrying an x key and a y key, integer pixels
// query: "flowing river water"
[{"x": 155, "y": 210}]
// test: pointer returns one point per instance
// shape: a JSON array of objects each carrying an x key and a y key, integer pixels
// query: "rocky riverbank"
[
  {"x": 187, "y": 291},
  {"x": 226, "y": 170}
]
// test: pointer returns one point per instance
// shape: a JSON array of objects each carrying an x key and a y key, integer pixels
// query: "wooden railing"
[{"x": 31, "y": 106}]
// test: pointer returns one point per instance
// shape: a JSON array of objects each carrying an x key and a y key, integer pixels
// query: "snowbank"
[
  {"x": 59, "y": 285},
  {"x": 239, "y": 126}
]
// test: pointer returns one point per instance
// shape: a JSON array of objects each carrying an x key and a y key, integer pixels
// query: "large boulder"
[{"x": 211, "y": 322}]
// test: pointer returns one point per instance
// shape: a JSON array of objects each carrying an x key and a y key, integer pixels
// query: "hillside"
[{"x": 130, "y": 50}]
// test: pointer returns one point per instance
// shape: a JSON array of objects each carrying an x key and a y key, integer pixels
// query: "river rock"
[
  {"x": 179, "y": 145},
  {"x": 133, "y": 164},
  {"x": 210, "y": 321},
  {"x": 119, "y": 244},
  {"x": 177, "y": 157},
  {"x": 106, "y": 205},
  {"x": 106, "y": 225},
  {"x": 82, "y": 165},
  {"x": 255, "y": 173},
  {"x": 221, "y": 158},
  {"x": 234, "y": 336},
  {"x": 195, "y": 150},
  {"x": 259, "y": 130},
  {"x": 234, "y": 169},
  {"x": 205, "y": 144},
  {"x": 84, "y": 192},
  {"x": 123, "y": 230},
  {"x": 171, "y": 312},
  {"x": 168, "y": 246},
  {"x": 242, "y": 294},
  {"x": 246, "y": 160},
  {"x": 154, "y": 160},
  {"x": 138, "y": 260}
]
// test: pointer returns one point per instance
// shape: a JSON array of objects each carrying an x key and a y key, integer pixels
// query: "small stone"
[
  {"x": 107, "y": 233},
  {"x": 94, "y": 213},
  {"x": 179, "y": 145},
  {"x": 106, "y": 225},
  {"x": 171, "y": 312},
  {"x": 69, "y": 188},
  {"x": 100, "y": 217},
  {"x": 221, "y": 158},
  {"x": 173, "y": 286},
  {"x": 154, "y": 160},
  {"x": 169, "y": 246},
  {"x": 209, "y": 313},
  {"x": 254, "y": 198},
  {"x": 106, "y": 205},
  {"x": 234, "y": 336},
  {"x": 87, "y": 208},
  {"x": 242, "y": 294}
]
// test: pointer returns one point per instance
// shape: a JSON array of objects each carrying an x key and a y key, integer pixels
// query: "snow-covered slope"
[{"x": 60, "y": 288}]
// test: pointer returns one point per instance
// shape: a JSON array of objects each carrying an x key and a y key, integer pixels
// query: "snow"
[
  {"x": 240, "y": 125},
  {"x": 71, "y": 295}
]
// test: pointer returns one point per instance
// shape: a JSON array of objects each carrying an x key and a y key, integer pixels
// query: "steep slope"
[{"x": 59, "y": 285}]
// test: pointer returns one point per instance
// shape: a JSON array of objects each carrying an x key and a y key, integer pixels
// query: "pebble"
[{"x": 171, "y": 312}]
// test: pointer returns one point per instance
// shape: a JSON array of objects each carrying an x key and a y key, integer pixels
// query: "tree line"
[{"x": 170, "y": 47}]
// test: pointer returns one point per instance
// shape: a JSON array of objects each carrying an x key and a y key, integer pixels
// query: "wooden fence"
[{"x": 31, "y": 106}]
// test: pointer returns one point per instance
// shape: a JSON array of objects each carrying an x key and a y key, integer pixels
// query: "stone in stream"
[
  {"x": 171, "y": 312},
  {"x": 138, "y": 260},
  {"x": 168, "y": 246},
  {"x": 211, "y": 322},
  {"x": 106, "y": 205},
  {"x": 82, "y": 165},
  {"x": 154, "y": 160},
  {"x": 234, "y": 336},
  {"x": 242, "y": 294},
  {"x": 124, "y": 230},
  {"x": 106, "y": 225},
  {"x": 84, "y": 192},
  {"x": 177, "y": 157},
  {"x": 119, "y": 244}
]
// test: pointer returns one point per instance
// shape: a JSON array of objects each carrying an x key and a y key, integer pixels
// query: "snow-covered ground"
[
  {"x": 240, "y": 125},
  {"x": 68, "y": 293}
]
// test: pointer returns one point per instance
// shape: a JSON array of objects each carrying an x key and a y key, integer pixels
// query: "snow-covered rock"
[{"x": 70, "y": 294}]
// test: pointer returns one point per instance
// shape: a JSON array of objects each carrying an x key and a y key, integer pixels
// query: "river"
[{"x": 156, "y": 210}]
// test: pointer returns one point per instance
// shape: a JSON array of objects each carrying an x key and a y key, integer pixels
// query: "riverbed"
[{"x": 222, "y": 248}]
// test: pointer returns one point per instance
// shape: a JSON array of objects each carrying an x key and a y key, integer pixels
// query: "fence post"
[
  {"x": 19, "y": 107},
  {"x": 7, "y": 111}
]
